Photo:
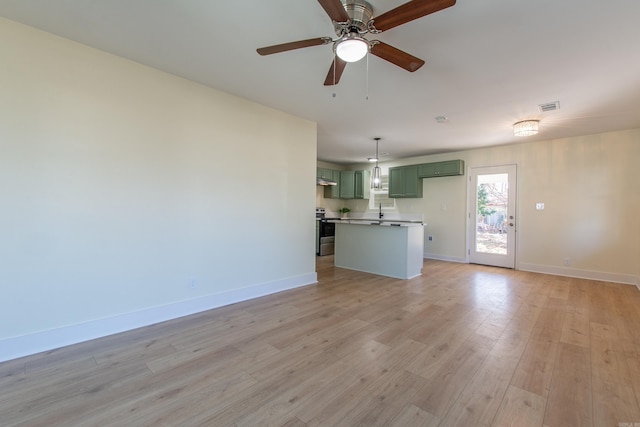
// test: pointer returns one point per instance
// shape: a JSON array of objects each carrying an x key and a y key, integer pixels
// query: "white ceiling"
[{"x": 489, "y": 64}]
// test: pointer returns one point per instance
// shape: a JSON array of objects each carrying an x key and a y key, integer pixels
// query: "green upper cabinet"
[
  {"x": 404, "y": 182},
  {"x": 333, "y": 191},
  {"x": 347, "y": 184},
  {"x": 324, "y": 173},
  {"x": 363, "y": 184},
  {"x": 354, "y": 184},
  {"x": 448, "y": 168}
]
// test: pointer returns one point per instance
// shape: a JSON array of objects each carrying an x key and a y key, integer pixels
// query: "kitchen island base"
[{"x": 387, "y": 250}]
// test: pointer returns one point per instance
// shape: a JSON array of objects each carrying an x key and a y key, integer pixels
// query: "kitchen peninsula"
[{"x": 393, "y": 248}]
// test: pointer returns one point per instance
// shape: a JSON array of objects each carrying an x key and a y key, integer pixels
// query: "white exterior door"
[{"x": 492, "y": 216}]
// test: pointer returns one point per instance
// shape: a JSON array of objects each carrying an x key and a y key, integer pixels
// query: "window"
[{"x": 379, "y": 197}]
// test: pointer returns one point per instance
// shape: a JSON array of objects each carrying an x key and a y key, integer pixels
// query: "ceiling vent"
[{"x": 549, "y": 106}]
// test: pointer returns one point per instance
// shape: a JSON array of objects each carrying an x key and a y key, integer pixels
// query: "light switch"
[{"x": 539, "y": 206}]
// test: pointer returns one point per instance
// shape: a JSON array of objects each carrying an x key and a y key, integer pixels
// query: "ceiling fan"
[{"x": 352, "y": 19}]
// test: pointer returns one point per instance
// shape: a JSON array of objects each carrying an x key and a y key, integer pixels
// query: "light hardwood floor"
[{"x": 462, "y": 345}]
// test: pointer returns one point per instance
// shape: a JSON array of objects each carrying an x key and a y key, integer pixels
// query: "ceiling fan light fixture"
[
  {"x": 526, "y": 128},
  {"x": 352, "y": 48}
]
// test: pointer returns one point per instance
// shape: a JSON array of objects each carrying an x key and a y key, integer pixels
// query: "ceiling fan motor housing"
[{"x": 360, "y": 13}]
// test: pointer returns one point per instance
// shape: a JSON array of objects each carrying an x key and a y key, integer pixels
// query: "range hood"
[{"x": 325, "y": 182}]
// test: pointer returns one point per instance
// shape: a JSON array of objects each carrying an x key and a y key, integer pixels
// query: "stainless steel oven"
[
  {"x": 326, "y": 234},
  {"x": 327, "y": 237}
]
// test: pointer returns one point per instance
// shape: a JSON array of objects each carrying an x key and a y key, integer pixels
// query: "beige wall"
[
  {"x": 590, "y": 187},
  {"x": 121, "y": 186}
]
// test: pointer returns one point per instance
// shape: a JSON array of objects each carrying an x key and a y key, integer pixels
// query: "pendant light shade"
[
  {"x": 376, "y": 178},
  {"x": 376, "y": 174}
]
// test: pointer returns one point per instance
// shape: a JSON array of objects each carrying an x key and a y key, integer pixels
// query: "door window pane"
[{"x": 492, "y": 195}]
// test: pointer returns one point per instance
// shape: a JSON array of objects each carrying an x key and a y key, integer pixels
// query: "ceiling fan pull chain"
[
  {"x": 367, "y": 79},
  {"x": 334, "y": 73}
]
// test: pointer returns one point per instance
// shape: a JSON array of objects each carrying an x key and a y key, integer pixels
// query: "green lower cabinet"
[
  {"x": 404, "y": 182},
  {"x": 354, "y": 184},
  {"x": 437, "y": 169}
]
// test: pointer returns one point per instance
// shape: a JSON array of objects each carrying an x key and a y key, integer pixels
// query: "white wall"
[
  {"x": 590, "y": 187},
  {"x": 122, "y": 185}
]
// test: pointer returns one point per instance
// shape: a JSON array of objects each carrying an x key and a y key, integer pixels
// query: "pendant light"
[{"x": 376, "y": 174}]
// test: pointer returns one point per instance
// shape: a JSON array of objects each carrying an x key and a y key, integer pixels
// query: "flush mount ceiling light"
[
  {"x": 526, "y": 128},
  {"x": 376, "y": 174},
  {"x": 352, "y": 48}
]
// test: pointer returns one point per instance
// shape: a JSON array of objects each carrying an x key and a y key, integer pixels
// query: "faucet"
[{"x": 380, "y": 215}]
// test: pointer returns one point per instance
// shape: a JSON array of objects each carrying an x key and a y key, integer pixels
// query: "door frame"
[{"x": 471, "y": 203}]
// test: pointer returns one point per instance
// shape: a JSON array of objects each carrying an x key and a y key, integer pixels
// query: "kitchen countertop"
[{"x": 378, "y": 222}]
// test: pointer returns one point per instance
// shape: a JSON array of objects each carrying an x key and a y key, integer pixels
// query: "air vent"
[{"x": 549, "y": 106}]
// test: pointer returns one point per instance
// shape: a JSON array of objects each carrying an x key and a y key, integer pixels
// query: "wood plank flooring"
[{"x": 462, "y": 345}]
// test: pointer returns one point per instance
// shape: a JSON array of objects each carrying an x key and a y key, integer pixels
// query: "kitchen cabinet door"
[
  {"x": 404, "y": 182},
  {"x": 362, "y": 184},
  {"x": 437, "y": 169},
  {"x": 347, "y": 184},
  {"x": 396, "y": 182},
  {"x": 324, "y": 173},
  {"x": 333, "y": 191},
  {"x": 355, "y": 184}
]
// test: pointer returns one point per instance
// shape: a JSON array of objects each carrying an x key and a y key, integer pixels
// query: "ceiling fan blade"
[
  {"x": 335, "y": 72},
  {"x": 293, "y": 45},
  {"x": 396, "y": 56},
  {"x": 335, "y": 10},
  {"x": 408, "y": 12}
]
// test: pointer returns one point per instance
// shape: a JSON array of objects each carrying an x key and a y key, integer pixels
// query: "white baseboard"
[
  {"x": 626, "y": 279},
  {"x": 13, "y": 348},
  {"x": 444, "y": 258},
  {"x": 581, "y": 274}
]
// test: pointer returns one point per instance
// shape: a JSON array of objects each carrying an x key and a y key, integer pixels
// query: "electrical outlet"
[
  {"x": 567, "y": 261},
  {"x": 539, "y": 206},
  {"x": 430, "y": 238},
  {"x": 193, "y": 284}
]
